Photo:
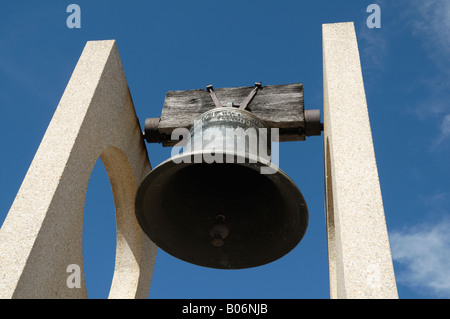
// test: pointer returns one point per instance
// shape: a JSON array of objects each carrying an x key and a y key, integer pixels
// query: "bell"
[{"x": 221, "y": 203}]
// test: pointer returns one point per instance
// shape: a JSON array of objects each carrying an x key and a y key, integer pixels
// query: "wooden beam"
[{"x": 279, "y": 106}]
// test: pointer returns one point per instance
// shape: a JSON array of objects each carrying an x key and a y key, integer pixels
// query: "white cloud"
[
  {"x": 436, "y": 199},
  {"x": 373, "y": 47},
  {"x": 423, "y": 254},
  {"x": 429, "y": 22},
  {"x": 433, "y": 24},
  {"x": 445, "y": 129}
]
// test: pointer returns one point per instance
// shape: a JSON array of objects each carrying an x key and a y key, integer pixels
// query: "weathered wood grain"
[{"x": 279, "y": 106}]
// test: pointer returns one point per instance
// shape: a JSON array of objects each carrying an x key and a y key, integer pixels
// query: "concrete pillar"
[
  {"x": 358, "y": 246},
  {"x": 42, "y": 233}
]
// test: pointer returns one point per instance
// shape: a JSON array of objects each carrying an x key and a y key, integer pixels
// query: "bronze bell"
[{"x": 213, "y": 205}]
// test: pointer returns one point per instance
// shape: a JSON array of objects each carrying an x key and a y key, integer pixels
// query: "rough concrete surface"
[
  {"x": 42, "y": 233},
  {"x": 359, "y": 253}
]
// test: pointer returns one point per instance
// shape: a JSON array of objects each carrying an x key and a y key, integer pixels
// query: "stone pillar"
[
  {"x": 358, "y": 246},
  {"x": 42, "y": 233}
]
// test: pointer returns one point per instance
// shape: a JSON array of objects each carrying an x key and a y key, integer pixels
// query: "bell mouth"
[{"x": 265, "y": 214}]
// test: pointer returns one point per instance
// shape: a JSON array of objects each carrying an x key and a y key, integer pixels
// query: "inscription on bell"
[{"x": 231, "y": 116}]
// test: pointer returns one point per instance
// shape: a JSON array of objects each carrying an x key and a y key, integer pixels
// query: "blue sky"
[{"x": 180, "y": 45}]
